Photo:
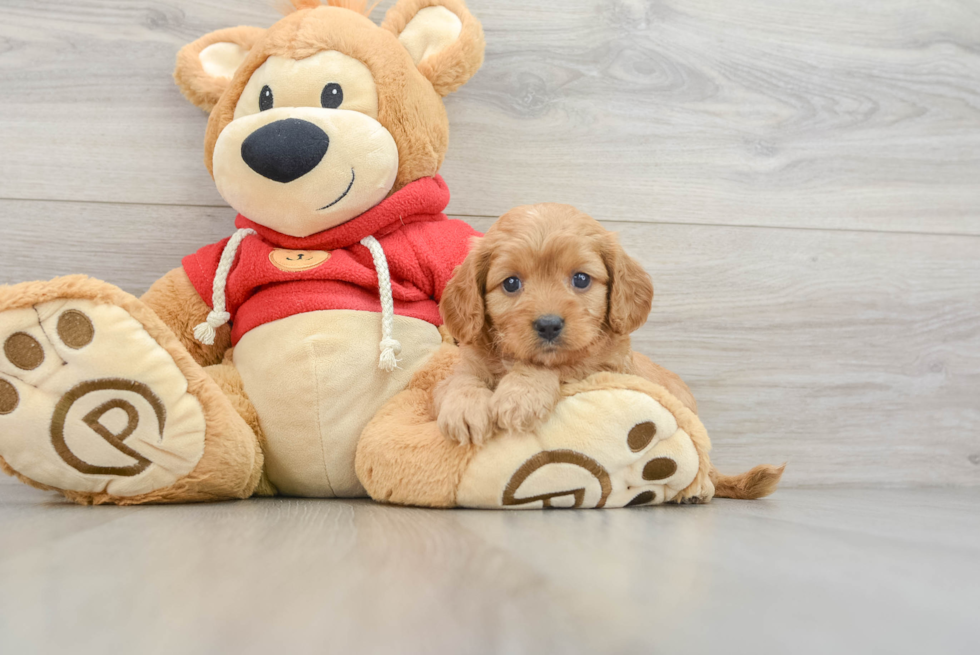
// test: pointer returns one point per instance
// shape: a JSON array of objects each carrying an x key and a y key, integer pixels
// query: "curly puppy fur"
[{"x": 572, "y": 273}]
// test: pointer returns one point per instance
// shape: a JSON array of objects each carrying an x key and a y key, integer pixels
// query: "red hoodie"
[{"x": 268, "y": 282}]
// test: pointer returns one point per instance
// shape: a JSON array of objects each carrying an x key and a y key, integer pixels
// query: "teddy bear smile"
[{"x": 343, "y": 195}]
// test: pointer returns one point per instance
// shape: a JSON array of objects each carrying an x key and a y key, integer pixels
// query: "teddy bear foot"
[
  {"x": 94, "y": 406},
  {"x": 613, "y": 441}
]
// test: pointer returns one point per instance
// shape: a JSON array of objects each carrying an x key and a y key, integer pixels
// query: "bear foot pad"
[
  {"x": 601, "y": 448},
  {"x": 90, "y": 402}
]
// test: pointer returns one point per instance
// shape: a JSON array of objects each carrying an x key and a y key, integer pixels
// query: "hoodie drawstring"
[
  {"x": 205, "y": 332},
  {"x": 390, "y": 348}
]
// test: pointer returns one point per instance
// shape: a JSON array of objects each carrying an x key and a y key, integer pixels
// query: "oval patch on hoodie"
[{"x": 297, "y": 260}]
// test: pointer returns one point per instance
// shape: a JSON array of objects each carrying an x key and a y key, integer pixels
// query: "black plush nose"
[
  {"x": 549, "y": 327},
  {"x": 285, "y": 150}
]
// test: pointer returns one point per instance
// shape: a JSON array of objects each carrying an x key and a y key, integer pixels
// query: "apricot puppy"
[{"x": 546, "y": 296}]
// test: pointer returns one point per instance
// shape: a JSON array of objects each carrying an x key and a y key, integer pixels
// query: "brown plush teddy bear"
[{"x": 326, "y": 133}]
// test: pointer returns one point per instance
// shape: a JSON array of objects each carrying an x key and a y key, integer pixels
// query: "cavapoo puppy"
[{"x": 547, "y": 296}]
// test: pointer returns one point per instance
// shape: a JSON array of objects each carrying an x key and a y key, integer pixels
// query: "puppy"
[{"x": 548, "y": 296}]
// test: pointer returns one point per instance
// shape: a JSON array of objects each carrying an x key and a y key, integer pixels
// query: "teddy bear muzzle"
[{"x": 301, "y": 170}]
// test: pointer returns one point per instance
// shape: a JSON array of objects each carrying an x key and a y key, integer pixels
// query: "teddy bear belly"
[{"x": 315, "y": 383}]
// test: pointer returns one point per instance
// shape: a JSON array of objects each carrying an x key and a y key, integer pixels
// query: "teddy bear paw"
[
  {"x": 90, "y": 402},
  {"x": 599, "y": 448}
]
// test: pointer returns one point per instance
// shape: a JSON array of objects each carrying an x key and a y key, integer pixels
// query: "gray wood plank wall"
[{"x": 801, "y": 179}]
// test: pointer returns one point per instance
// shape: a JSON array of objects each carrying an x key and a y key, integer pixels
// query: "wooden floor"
[{"x": 806, "y": 571}]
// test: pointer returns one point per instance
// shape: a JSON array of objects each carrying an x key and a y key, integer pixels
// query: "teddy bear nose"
[
  {"x": 285, "y": 150},
  {"x": 549, "y": 327}
]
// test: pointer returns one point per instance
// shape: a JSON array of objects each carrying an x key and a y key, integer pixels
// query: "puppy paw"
[
  {"x": 464, "y": 417},
  {"x": 519, "y": 408}
]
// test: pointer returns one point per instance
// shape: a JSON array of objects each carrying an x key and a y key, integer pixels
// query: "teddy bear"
[
  {"x": 253, "y": 367},
  {"x": 297, "y": 356}
]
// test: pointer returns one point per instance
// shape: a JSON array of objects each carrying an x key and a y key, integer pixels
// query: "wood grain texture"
[
  {"x": 131, "y": 246},
  {"x": 855, "y": 356},
  {"x": 806, "y": 571},
  {"x": 817, "y": 114}
]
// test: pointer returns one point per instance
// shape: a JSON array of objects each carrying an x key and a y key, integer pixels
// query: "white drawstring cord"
[
  {"x": 390, "y": 348},
  {"x": 205, "y": 332}
]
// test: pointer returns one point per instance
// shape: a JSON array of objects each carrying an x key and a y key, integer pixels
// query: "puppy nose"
[
  {"x": 549, "y": 327},
  {"x": 285, "y": 150}
]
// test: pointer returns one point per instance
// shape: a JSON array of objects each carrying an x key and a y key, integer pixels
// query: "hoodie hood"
[{"x": 420, "y": 201}]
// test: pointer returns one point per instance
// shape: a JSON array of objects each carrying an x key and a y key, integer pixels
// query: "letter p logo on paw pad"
[{"x": 89, "y": 401}]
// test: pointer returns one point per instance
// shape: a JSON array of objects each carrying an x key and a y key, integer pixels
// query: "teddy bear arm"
[{"x": 177, "y": 303}]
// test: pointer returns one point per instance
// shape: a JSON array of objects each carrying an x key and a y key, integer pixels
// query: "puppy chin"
[
  {"x": 550, "y": 354},
  {"x": 568, "y": 349}
]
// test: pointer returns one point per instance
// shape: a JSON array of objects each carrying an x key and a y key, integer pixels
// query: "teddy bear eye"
[
  {"x": 581, "y": 280},
  {"x": 332, "y": 96},
  {"x": 265, "y": 98},
  {"x": 512, "y": 284}
]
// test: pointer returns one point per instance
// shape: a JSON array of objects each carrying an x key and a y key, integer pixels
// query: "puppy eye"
[
  {"x": 265, "y": 98},
  {"x": 512, "y": 284},
  {"x": 332, "y": 96},
  {"x": 581, "y": 280}
]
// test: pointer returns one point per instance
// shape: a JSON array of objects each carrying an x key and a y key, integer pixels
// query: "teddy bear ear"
[
  {"x": 442, "y": 36},
  {"x": 206, "y": 66}
]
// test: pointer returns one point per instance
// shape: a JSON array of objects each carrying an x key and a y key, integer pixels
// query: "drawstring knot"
[
  {"x": 205, "y": 332},
  {"x": 390, "y": 347}
]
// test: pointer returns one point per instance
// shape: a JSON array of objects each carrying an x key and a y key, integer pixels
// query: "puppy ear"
[
  {"x": 462, "y": 307},
  {"x": 442, "y": 36},
  {"x": 206, "y": 66},
  {"x": 630, "y": 289}
]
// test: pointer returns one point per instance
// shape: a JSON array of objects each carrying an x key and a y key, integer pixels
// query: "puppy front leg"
[
  {"x": 462, "y": 407},
  {"x": 524, "y": 398}
]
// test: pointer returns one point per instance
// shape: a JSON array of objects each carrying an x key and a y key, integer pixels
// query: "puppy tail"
[{"x": 757, "y": 483}]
